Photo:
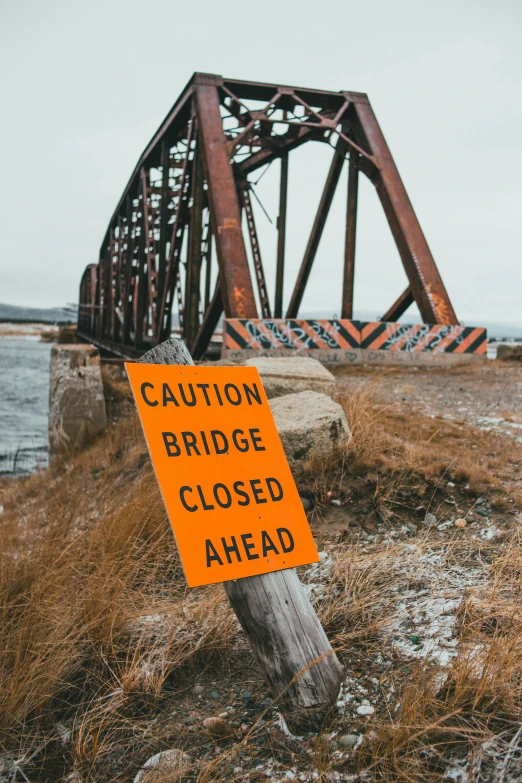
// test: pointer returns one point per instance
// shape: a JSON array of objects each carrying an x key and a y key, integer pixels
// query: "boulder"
[
  {"x": 310, "y": 424},
  {"x": 76, "y": 402},
  {"x": 288, "y": 376}
]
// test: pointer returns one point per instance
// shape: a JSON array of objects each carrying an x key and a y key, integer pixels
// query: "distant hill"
[{"x": 45, "y": 315}]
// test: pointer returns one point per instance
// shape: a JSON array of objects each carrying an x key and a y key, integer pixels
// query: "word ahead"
[{"x": 223, "y": 474}]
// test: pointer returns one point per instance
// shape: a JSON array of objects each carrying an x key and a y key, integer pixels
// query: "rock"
[
  {"x": 246, "y": 695},
  {"x": 213, "y": 695},
  {"x": 365, "y": 709},
  {"x": 430, "y": 520},
  {"x": 348, "y": 741},
  {"x": 168, "y": 762},
  {"x": 307, "y": 504},
  {"x": 197, "y": 690},
  {"x": 309, "y": 425},
  {"x": 412, "y": 527},
  {"x": 216, "y": 727},
  {"x": 67, "y": 334},
  {"x": 460, "y": 523},
  {"x": 282, "y": 376},
  {"x": 511, "y": 353},
  {"x": 335, "y": 502},
  {"x": 76, "y": 402},
  {"x": 223, "y": 715}
]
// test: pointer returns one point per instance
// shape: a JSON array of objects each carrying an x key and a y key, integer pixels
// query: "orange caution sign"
[{"x": 229, "y": 492}]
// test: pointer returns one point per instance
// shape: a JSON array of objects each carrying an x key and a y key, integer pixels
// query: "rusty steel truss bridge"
[{"x": 174, "y": 253}]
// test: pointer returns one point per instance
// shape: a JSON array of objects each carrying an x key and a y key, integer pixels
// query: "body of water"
[{"x": 24, "y": 404}]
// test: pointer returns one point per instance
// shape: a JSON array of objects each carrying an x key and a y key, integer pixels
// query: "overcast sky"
[{"x": 85, "y": 85}]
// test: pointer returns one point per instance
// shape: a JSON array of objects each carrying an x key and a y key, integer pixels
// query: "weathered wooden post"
[{"x": 289, "y": 642}]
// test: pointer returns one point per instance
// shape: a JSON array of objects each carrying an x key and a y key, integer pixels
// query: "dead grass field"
[{"x": 107, "y": 659}]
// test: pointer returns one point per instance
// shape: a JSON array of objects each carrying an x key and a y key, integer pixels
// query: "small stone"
[
  {"x": 412, "y": 527},
  {"x": 479, "y": 501},
  {"x": 450, "y": 484},
  {"x": 223, "y": 715},
  {"x": 246, "y": 695},
  {"x": 197, "y": 690},
  {"x": 352, "y": 524},
  {"x": 267, "y": 703},
  {"x": 167, "y": 763},
  {"x": 307, "y": 503},
  {"x": 216, "y": 727},
  {"x": 335, "y": 502},
  {"x": 405, "y": 625},
  {"x": 365, "y": 702},
  {"x": 414, "y": 639},
  {"x": 348, "y": 741},
  {"x": 430, "y": 520},
  {"x": 482, "y": 512},
  {"x": 460, "y": 523},
  {"x": 365, "y": 709},
  {"x": 213, "y": 695},
  {"x": 236, "y": 689}
]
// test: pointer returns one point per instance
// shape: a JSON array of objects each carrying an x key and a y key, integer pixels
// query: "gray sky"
[{"x": 84, "y": 86}]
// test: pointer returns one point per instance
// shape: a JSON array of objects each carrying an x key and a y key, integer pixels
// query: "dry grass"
[
  {"x": 405, "y": 457},
  {"x": 102, "y": 642},
  {"x": 94, "y": 614}
]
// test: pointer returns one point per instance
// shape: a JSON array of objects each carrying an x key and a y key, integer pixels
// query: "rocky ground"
[{"x": 113, "y": 670}]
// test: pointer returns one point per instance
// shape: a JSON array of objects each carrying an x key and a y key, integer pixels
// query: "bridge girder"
[{"x": 187, "y": 196}]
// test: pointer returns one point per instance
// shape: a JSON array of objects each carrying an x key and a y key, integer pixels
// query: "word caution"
[{"x": 227, "y": 487}]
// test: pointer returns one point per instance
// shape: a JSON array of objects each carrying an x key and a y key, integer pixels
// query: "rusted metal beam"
[
  {"x": 208, "y": 326},
  {"x": 426, "y": 283},
  {"x": 399, "y": 306},
  {"x": 281, "y": 237},
  {"x": 256, "y": 252},
  {"x": 351, "y": 229},
  {"x": 236, "y": 289},
  {"x": 194, "y": 258},
  {"x": 317, "y": 230}
]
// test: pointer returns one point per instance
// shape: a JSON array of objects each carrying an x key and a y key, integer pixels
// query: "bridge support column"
[{"x": 236, "y": 283}]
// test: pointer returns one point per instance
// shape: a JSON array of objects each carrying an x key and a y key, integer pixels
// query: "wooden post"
[{"x": 289, "y": 642}]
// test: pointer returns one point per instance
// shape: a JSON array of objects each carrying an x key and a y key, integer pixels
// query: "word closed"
[{"x": 226, "y": 484}]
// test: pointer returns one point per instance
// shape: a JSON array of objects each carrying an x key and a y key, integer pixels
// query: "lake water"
[{"x": 24, "y": 404}]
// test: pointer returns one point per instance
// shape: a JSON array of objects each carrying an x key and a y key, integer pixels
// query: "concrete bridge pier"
[{"x": 76, "y": 401}]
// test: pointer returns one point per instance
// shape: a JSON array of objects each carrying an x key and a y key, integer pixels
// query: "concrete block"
[
  {"x": 76, "y": 401},
  {"x": 310, "y": 424},
  {"x": 282, "y": 376}
]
